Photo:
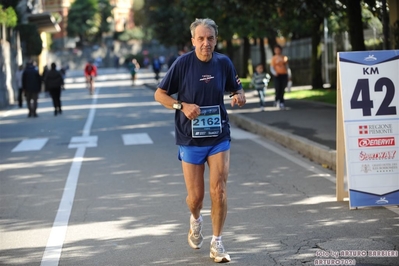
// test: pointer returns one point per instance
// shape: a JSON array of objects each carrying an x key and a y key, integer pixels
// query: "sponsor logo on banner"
[
  {"x": 376, "y": 142},
  {"x": 379, "y": 168},
  {"x": 375, "y": 129},
  {"x": 382, "y": 200},
  {"x": 373, "y": 156}
]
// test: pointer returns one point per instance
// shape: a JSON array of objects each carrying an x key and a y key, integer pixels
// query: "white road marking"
[
  {"x": 56, "y": 239},
  {"x": 30, "y": 145},
  {"x": 136, "y": 139},
  {"x": 84, "y": 141}
]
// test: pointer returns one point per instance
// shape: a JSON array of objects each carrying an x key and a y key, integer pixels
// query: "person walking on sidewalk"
[
  {"x": 279, "y": 69},
  {"x": 31, "y": 84},
  {"x": 260, "y": 79},
  {"x": 18, "y": 79},
  {"x": 54, "y": 82},
  {"x": 134, "y": 67},
  {"x": 201, "y": 78},
  {"x": 156, "y": 67}
]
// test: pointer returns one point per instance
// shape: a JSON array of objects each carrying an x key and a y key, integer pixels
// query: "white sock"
[
  {"x": 192, "y": 219},
  {"x": 216, "y": 238}
]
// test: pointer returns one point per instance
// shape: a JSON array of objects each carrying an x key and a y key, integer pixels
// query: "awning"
[{"x": 45, "y": 22}]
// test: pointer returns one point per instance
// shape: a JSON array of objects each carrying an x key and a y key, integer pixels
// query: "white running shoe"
[
  {"x": 195, "y": 238},
  {"x": 218, "y": 253}
]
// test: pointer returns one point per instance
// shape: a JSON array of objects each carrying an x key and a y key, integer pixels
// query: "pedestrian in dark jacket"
[
  {"x": 31, "y": 84},
  {"x": 18, "y": 78},
  {"x": 54, "y": 81}
]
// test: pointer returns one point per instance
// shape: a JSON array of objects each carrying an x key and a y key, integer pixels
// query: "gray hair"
[{"x": 207, "y": 22}]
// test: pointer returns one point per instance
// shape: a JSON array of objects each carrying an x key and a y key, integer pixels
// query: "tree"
[
  {"x": 105, "y": 14},
  {"x": 83, "y": 20},
  {"x": 304, "y": 18},
  {"x": 8, "y": 17},
  {"x": 30, "y": 38},
  {"x": 165, "y": 21},
  {"x": 354, "y": 11}
]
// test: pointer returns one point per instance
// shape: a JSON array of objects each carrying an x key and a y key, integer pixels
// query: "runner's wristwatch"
[{"x": 177, "y": 106}]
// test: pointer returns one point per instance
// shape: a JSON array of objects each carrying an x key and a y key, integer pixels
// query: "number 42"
[{"x": 366, "y": 104}]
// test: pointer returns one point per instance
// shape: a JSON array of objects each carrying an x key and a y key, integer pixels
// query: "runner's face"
[{"x": 204, "y": 42}]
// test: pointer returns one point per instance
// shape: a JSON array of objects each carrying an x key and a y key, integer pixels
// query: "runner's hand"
[
  {"x": 191, "y": 111},
  {"x": 238, "y": 99}
]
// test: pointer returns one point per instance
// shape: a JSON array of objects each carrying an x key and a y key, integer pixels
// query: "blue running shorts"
[{"x": 198, "y": 155}]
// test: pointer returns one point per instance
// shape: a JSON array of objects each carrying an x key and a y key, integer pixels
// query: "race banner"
[{"x": 369, "y": 83}]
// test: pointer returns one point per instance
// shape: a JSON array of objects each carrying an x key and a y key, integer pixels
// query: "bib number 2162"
[{"x": 362, "y": 89}]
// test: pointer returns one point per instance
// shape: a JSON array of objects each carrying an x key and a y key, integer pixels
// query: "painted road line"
[
  {"x": 136, "y": 139},
  {"x": 84, "y": 141},
  {"x": 30, "y": 145},
  {"x": 52, "y": 253}
]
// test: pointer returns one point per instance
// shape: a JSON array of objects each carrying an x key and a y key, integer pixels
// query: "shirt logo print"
[{"x": 206, "y": 78}]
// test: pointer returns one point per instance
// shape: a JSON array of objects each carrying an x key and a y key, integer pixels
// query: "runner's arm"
[{"x": 191, "y": 111}]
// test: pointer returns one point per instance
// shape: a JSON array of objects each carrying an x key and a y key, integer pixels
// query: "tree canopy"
[
  {"x": 8, "y": 16},
  {"x": 88, "y": 19},
  {"x": 168, "y": 21}
]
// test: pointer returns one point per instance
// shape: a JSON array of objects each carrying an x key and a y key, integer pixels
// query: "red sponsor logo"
[
  {"x": 383, "y": 155},
  {"x": 376, "y": 142},
  {"x": 363, "y": 130}
]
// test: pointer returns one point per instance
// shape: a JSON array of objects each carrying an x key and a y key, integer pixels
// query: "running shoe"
[
  {"x": 218, "y": 253},
  {"x": 195, "y": 238}
]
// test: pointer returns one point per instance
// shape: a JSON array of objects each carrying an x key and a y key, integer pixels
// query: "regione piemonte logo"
[
  {"x": 376, "y": 142},
  {"x": 375, "y": 129}
]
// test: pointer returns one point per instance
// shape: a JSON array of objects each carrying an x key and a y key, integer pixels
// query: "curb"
[{"x": 309, "y": 149}]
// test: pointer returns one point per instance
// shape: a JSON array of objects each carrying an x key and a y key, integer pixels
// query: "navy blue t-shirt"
[{"x": 204, "y": 84}]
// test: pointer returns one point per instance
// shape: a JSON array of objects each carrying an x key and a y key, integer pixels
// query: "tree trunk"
[
  {"x": 355, "y": 25},
  {"x": 317, "y": 81},
  {"x": 385, "y": 25},
  {"x": 262, "y": 52},
  {"x": 246, "y": 55},
  {"x": 271, "y": 39},
  {"x": 229, "y": 48}
]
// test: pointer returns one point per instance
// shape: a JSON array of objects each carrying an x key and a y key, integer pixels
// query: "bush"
[{"x": 30, "y": 39}]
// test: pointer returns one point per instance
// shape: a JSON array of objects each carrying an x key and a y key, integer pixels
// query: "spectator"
[
  {"x": 54, "y": 81},
  {"x": 31, "y": 84},
  {"x": 133, "y": 68},
  {"x": 156, "y": 66},
  {"x": 279, "y": 69},
  {"x": 260, "y": 79},
  {"x": 18, "y": 79}
]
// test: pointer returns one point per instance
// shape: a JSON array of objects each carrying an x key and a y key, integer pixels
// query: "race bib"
[{"x": 208, "y": 123}]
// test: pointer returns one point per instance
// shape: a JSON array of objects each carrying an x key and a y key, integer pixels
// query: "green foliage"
[
  {"x": 82, "y": 20},
  {"x": 167, "y": 20},
  {"x": 133, "y": 34},
  {"x": 105, "y": 16},
  {"x": 30, "y": 37},
  {"x": 246, "y": 82},
  {"x": 8, "y": 16},
  {"x": 317, "y": 95}
]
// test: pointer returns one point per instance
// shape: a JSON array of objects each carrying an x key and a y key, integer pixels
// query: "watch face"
[{"x": 177, "y": 106}]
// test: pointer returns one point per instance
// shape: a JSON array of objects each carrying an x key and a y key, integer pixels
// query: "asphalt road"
[{"x": 101, "y": 185}]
